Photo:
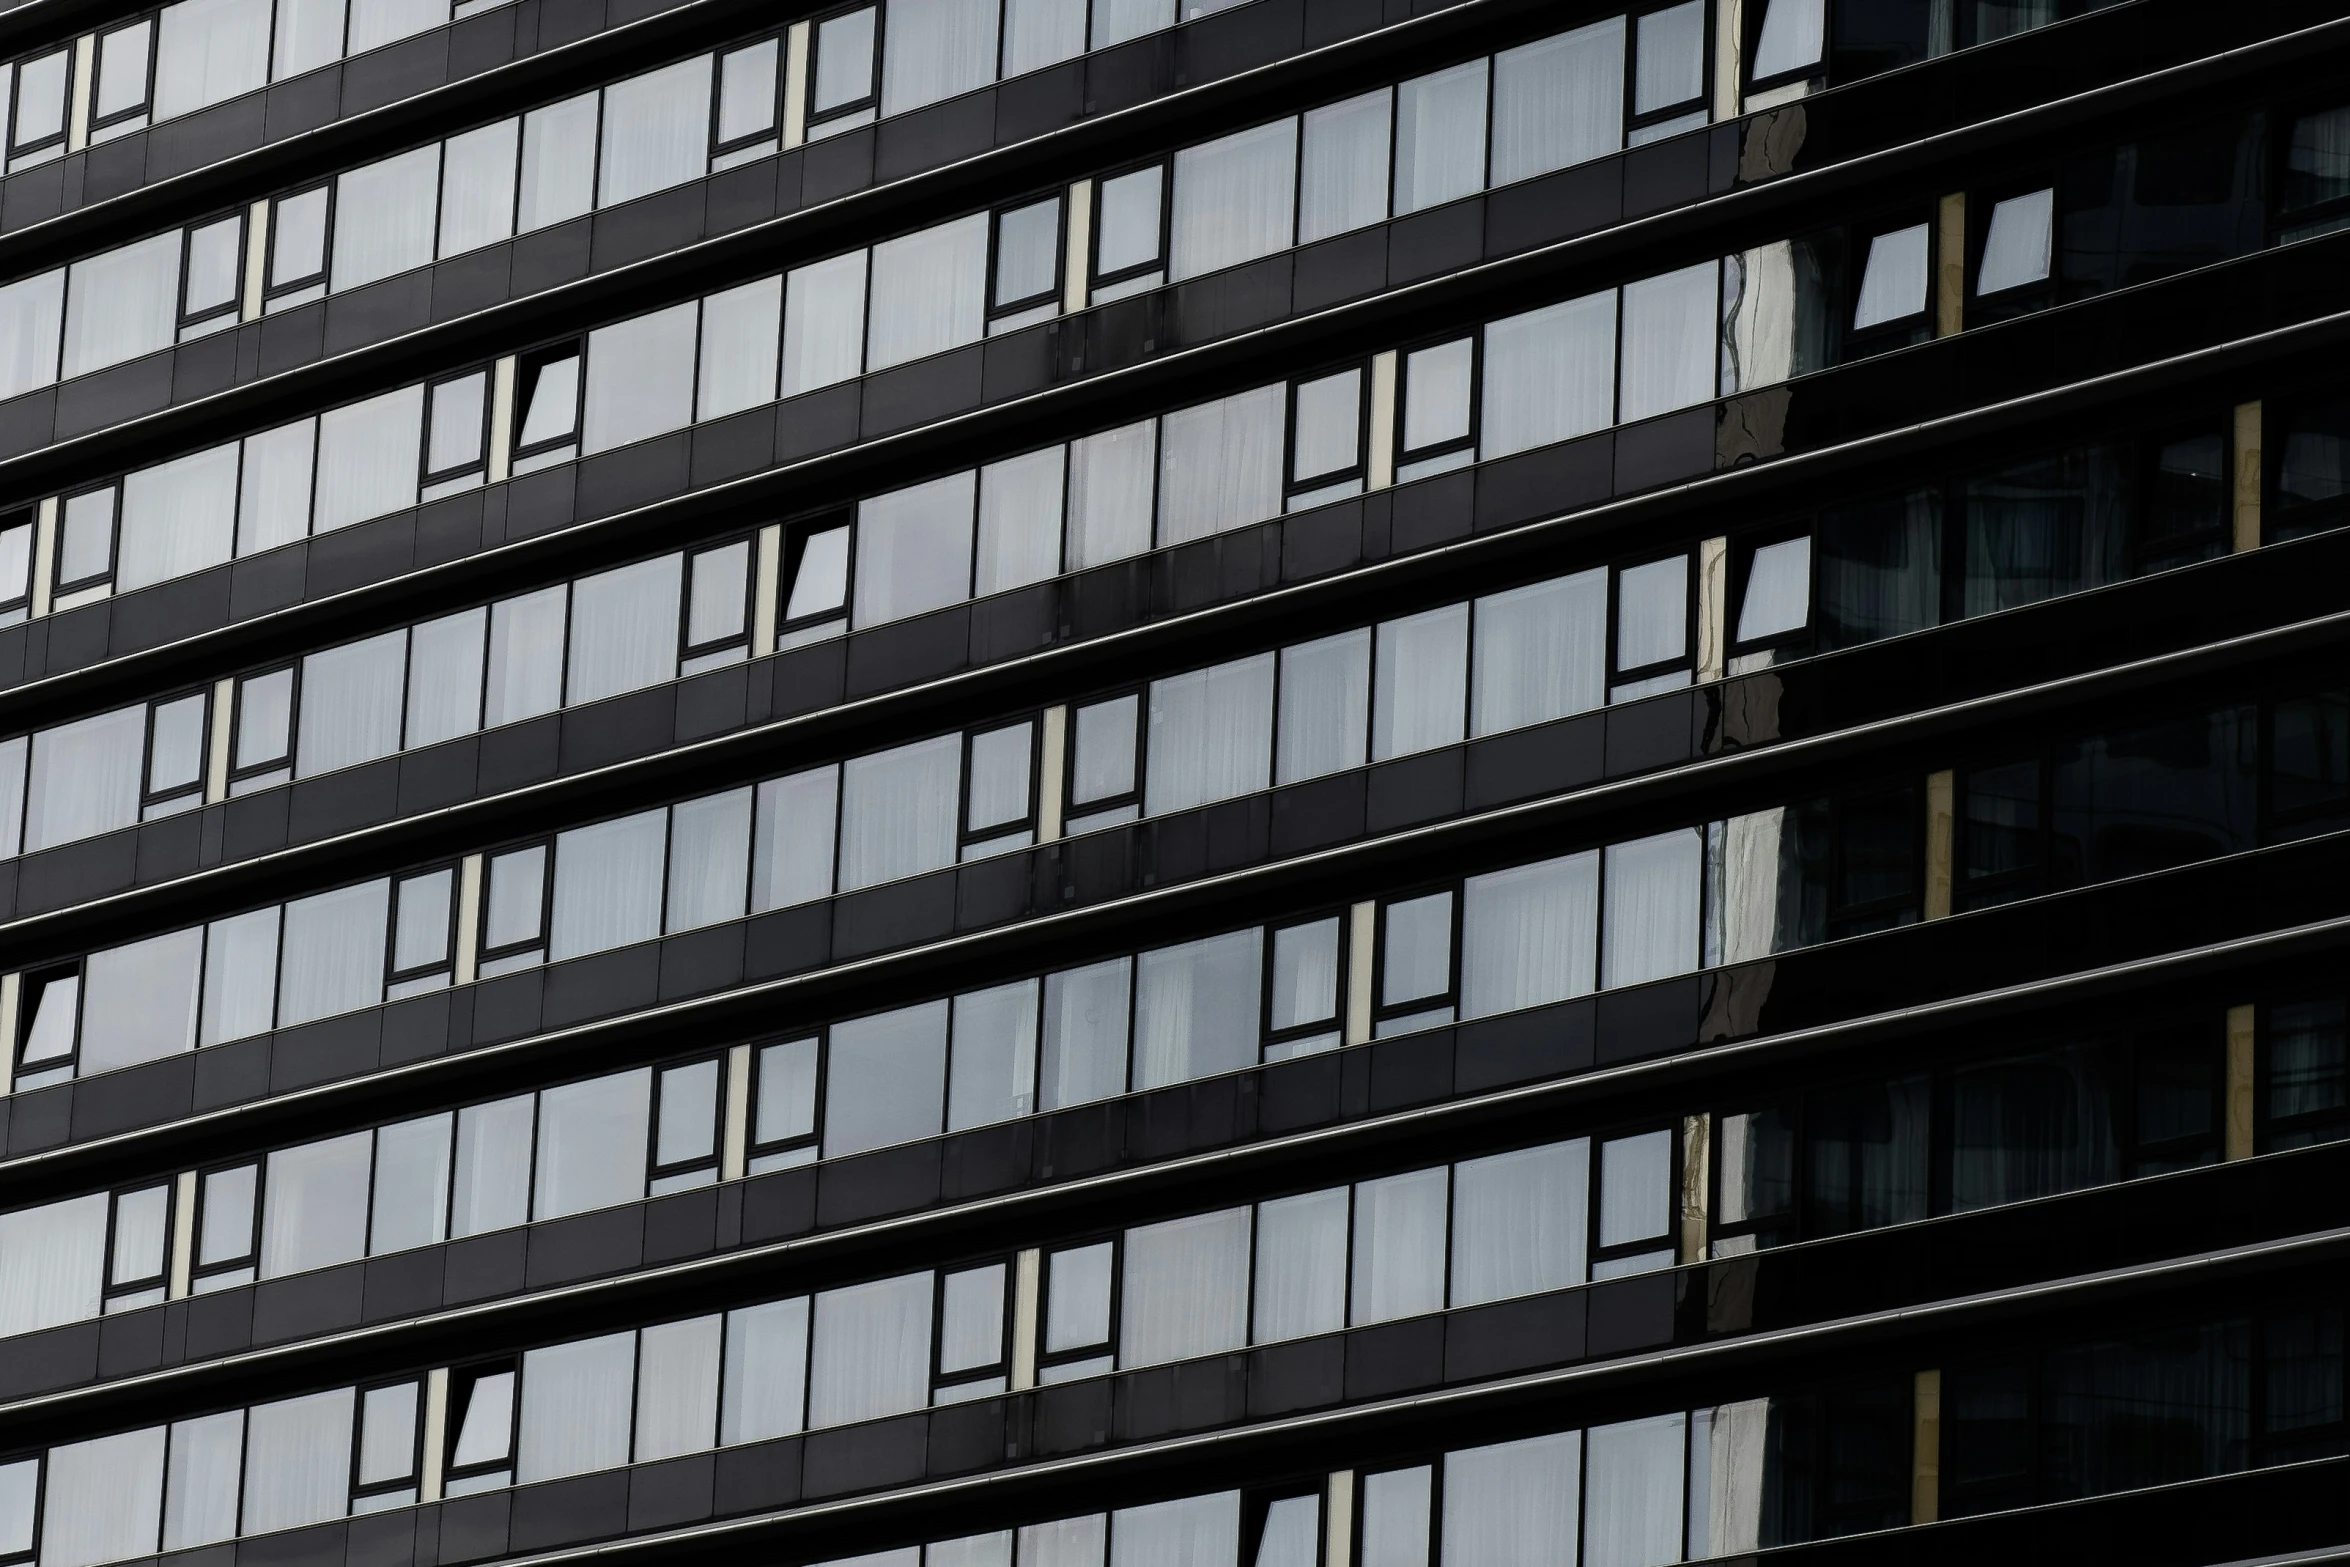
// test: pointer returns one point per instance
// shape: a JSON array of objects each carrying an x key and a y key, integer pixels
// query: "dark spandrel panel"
[
  {"x": 634, "y": 476},
  {"x": 778, "y": 1206},
  {"x": 1007, "y": 625},
  {"x": 519, "y": 754},
  {"x": 385, "y": 1539},
  {"x": 1524, "y": 763},
  {"x": 1021, "y": 362},
  {"x": 731, "y": 447},
  {"x": 1079, "y": 1140},
  {"x": 901, "y": 914},
  {"x": 172, "y": 848},
  {"x": 78, "y": 637},
  {"x": 379, "y": 311},
  {"x": 764, "y": 1474},
  {"x": 929, "y": 138},
  {"x": 116, "y": 396},
  {"x": 995, "y": 891},
  {"x": 28, "y": 422},
  {"x": 473, "y": 1528},
  {"x": 1228, "y": 302},
  {"x": 474, "y": 281},
  {"x": 169, "y": 612},
  {"x": 683, "y": 1224},
  {"x": 130, "y": 1343},
  {"x": 308, "y": 1304},
  {"x": 789, "y": 941},
  {"x": 1307, "y": 1374},
  {"x": 1115, "y": 335},
  {"x": 146, "y": 1095},
  {"x": 542, "y": 502},
  {"x": 1631, "y": 1314},
  {"x": 268, "y": 582},
  {"x": 1413, "y": 1070},
  {"x": 1039, "y": 102},
  {"x": 1531, "y": 485},
  {"x": 836, "y": 167},
  {"x": 699, "y": 962},
  {"x": 986, "y": 1160},
  {"x": 252, "y": 825},
  {"x": 507, "y": 1007},
  {"x": 1130, "y": 73},
  {"x": 397, "y": 71},
  {"x": 1105, "y": 599},
  {"x": 291, "y": 340},
  {"x": 1297, "y": 1094},
  {"x": 1522, "y": 1047},
  {"x": 909, "y": 651},
  {"x": 1184, "y": 1119},
  {"x": 1665, "y": 451},
  {"x": 649, "y": 226},
  {"x": 40, "y": 1119},
  {"x": 208, "y": 136},
  {"x": 1071, "y": 1417},
  {"x": 1513, "y": 1335},
  {"x": 1325, "y": 540},
  {"x": 865, "y": 1457},
  {"x": 1644, "y": 736},
  {"x": 484, "y": 1267},
  {"x": 603, "y": 985},
  {"x": 232, "y": 1074},
  {"x": 1337, "y": 270},
  {"x": 76, "y": 873},
  {"x": 1193, "y": 1395},
  {"x": 439, "y": 775},
  {"x": 115, "y": 167},
  {"x": 1412, "y": 790},
  {"x": 919, "y": 393},
  {"x": 219, "y": 1324},
  {"x": 617, "y": 728},
  {"x": 343, "y": 801},
  {"x": 551, "y": 256},
  {"x": 1395, "y": 1357},
  {"x": 1097, "y": 867},
  {"x": 870, "y": 1186},
  {"x": 204, "y": 367},
  {"x": 1315, "y": 815},
  {"x": 741, "y": 197},
  {"x": 321, "y": 1545},
  {"x": 816, "y": 422},
  {"x": 1554, "y": 207},
  {"x": 404, "y": 1284},
  {"x": 585, "y": 1246},
  {"x": 973, "y": 1436},
  {"x": 320, "y": 1052},
  {"x": 481, "y": 43},
  {"x": 664, "y": 1495},
  {"x": 369, "y": 552},
  {"x": 1428, "y": 244},
  {"x": 564, "y": 1512},
  {"x": 1667, "y": 174},
  {"x": 42, "y": 1362},
  {"x": 303, "y": 104}
]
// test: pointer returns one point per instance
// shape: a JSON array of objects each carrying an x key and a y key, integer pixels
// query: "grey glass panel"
[
  {"x": 1436, "y": 394},
  {"x": 175, "y": 753},
  {"x": 1652, "y": 612},
  {"x": 591, "y": 1148},
  {"x": 517, "y": 896},
  {"x": 766, "y": 1371},
  {"x": 477, "y": 186},
  {"x": 455, "y": 438},
  {"x": 208, "y": 51},
  {"x": 1399, "y": 1236},
  {"x": 375, "y": 23},
  {"x": 1670, "y": 57},
  {"x": 1652, "y": 886},
  {"x": 746, "y": 90},
  {"x": 1669, "y": 340},
  {"x": 716, "y": 593},
  {"x": 656, "y": 131},
  {"x": 1197, "y": 1531},
  {"x": 1110, "y": 493},
  {"x": 85, "y": 778},
  {"x": 1893, "y": 280},
  {"x": 122, "y": 304},
  {"x": 1397, "y": 1509},
  {"x": 998, "y": 790},
  {"x": 387, "y": 1433},
  {"x": 334, "y": 953},
  {"x": 1300, "y": 1284},
  {"x": 314, "y": 1207},
  {"x": 844, "y": 60},
  {"x": 444, "y": 677},
  {"x": 139, "y": 1001},
  {"x": 526, "y": 657},
  {"x": 1126, "y": 227},
  {"x": 1440, "y": 137},
  {"x": 273, "y": 497},
  {"x": 971, "y": 1332},
  {"x": 688, "y": 1127},
  {"x": 309, "y": 35},
  {"x": 1778, "y": 591},
  {"x": 105, "y": 1499},
  {"x": 177, "y": 518},
  {"x": 1549, "y": 374},
  {"x": 225, "y": 1230},
  {"x": 32, "y": 315},
  {"x": 1634, "y": 1486},
  {"x": 411, "y": 1184},
  {"x": 493, "y": 1167},
  {"x": 488, "y": 1429},
  {"x": 384, "y": 216},
  {"x": 575, "y": 1407},
  {"x": 1342, "y": 183},
  {"x": 52, "y": 1264},
  {"x": 741, "y": 329},
  {"x": 550, "y": 402},
  {"x": 1305, "y": 974},
  {"x": 792, "y": 854},
  {"x": 994, "y": 1064},
  {"x": 640, "y": 378},
  {"x": 352, "y": 698},
  {"x": 823, "y": 323},
  {"x": 1325, "y": 706},
  {"x": 1420, "y": 699},
  {"x": 1211, "y": 734},
  {"x": 914, "y": 549},
  {"x": 200, "y": 1484},
  {"x": 935, "y": 49},
  {"x": 1183, "y": 1288},
  {"x": 1077, "y": 1307},
  {"x": 297, "y": 237},
  {"x": 898, "y": 812},
  {"x": 1329, "y": 430},
  {"x": 886, "y": 1079},
  {"x": 677, "y": 1388},
  {"x": 624, "y": 629},
  {"x": 85, "y": 541},
  {"x": 1518, "y": 1222},
  {"x": 1038, "y": 33},
  {"x": 1293, "y": 1533},
  {"x": 820, "y": 585},
  {"x": 1220, "y": 465},
  {"x": 709, "y": 860},
  {"x": 1234, "y": 199},
  {"x": 1558, "y": 101},
  {"x": 608, "y": 885},
  {"x": 298, "y": 1461},
  {"x": 2015, "y": 250},
  {"x": 872, "y": 1351},
  {"x": 1115, "y": 21},
  {"x": 929, "y": 291},
  {"x": 1085, "y": 1019},
  {"x": 558, "y": 163},
  {"x": 367, "y": 458},
  {"x": 1028, "y": 251},
  {"x": 1417, "y": 960},
  {"x": 1066, "y": 1542},
  {"x": 216, "y": 251},
  {"x": 420, "y": 933},
  {"x": 1792, "y": 32},
  {"x": 1529, "y": 935},
  {"x": 1635, "y": 1188},
  {"x": 142, "y": 1221},
  {"x": 1508, "y": 1505},
  {"x": 1195, "y": 1008},
  {"x": 1541, "y": 652},
  {"x": 1019, "y": 521}
]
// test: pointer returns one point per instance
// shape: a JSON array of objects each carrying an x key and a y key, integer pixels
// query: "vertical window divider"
[
  {"x": 435, "y": 1417},
  {"x": 216, "y": 758},
  {"x": 256, "y": 261},
  {"x": 1713, "y": 607},
  {"x": 1051, "y": 771},
  {"x": 795, "y": 83},
  {"x": 1027, "y": 1294},
  {"x": 1362, "y": 947},
  {"x": 734, "y": 1149},
  {"x": 1077, "y": 255},
  {"x": 182, "y": 1264},
  {"x": 44, "y": 555},
  {"x": 11, "y": 1002},
  {"x": 1379, "y": 459},
  {"x": 85, "y": 81},
  {"x": 766, "y": 590}
]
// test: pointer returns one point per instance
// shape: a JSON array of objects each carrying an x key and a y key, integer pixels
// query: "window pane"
[
  {"x": 656, "y": 131},
  {"x": 200, "y": 1486},
  {"x": 1518, "y": 1221},
  {"x": 225, "y": 1230},
  {"x": 518, "y": 885},
  {"x": 558, "y": 163},
  {"x": 139, "y": 1001},
  {"x": 1126, "y": 228},
  {"x": 1027, "y": 252},
  {"x": 85, "y": 778},
  {"x": 122, "y": 304},
  {"x": 929, "y": 288},
  {"x": 844, "y": 60},
  {"x": 1791, "y": 37},
  {"x": 334, "y": 953},
  {"x": 1085, "y": 1015},
  {"x": 384, "y": 217},
  {"x": 999, "y": 787},
  {"x": 715, "y": 599},
  {"x": 1195, "y": 1008},
  {"x": 1183, "y": 1290},
  {"x": 420, "y": 935},
  {"x": 455, "y": 438},
  {"x": 52, "y": 1264},
  {"x": 1549, "y": 374},
  {"x": 791, "y": 859},
  {"x": 1778, "y": 591},
  {"x": 820, "y": 584},
  {"x": 2015, "y": 251},
  {"x": 526, "y": 657},
  {"x": 314, "y": 1208},
  {"x": 1422, "y": 695},
  {"x": 1528, "y": 934},
  {"x": 387, "y": 1433},
  {"x": 677, "y": 1388},
  {"x": 1221, "y": 465},
  {"x": 1417, "y": 958},
  {"x": 1506, "y": 1505},
  {"x": 477, "y": 187},
  {"x": 298, "y": 1461},
  {"x": 1669, "y": 340},
  {"x": 971, "y": 1333},
  {"x": 640, "y": 378},
  {"x": 1436, "y": 394},
  {"x": 1635, "y": 1491},
  {"x": 1105, "y": 750},
  {"x": 872, "y": 1351},
  {"x": 1110, "y": 493},
  {"x": 1343, "y": 184},
  {"x": 898, "y": 812},
  {"x": 1305, "y": 974},
  {"x": 411, "y": 1184},
  {"x": 550, "y": 400},
  {"x": 823, "y": 323},
  {"x": 1635, "y": 1188},
  {"x": 444, "y": 677},
  {"x": 741, "y": 328},
  {"x": 1198, "y": 1531},
  {"x": 493, "y": 1167},
  {"x": 1077, "y": 1307},
  {"x": 273, "y": 498},
  {"x": 1671, "y": 58},
  {"x": 766, "y": 1371},
  {"x": 367, "y": 458},
  {"x": 105, "y": 1499},
  {"x": 375, "y": 23},
  {"x": 1211, "y": 734},
  {"x": 177, "y": 518},
  {"x": 1541, "y": 652},
  {"x": 624, "y": 629},
  {"x": 886, "y": 1079},
  {"x": 142, "y": 1223},
  {"x": 608, "y": 885},
  {"x": 994, "y": 1073},
  {"x": 688, "y": 1129},
  {"x": 1440, "y": 137},
  {"x": 1396, "y": 1510},
  {"x": 1019, "y": 521},
  {"x": 208, "y": 51},
  {"x": 1893, "y": 283},
  {"x": 1234, "y": 198},
  {"x": 936, "y": 49},
  {"x": 1652, "y": 893},
  {"x": 1325, "y": 706},
  {"x": 575, "y": 1403},
  {"x": 746, "y": 90},
  {"x": 1399, "y": 1232},
  {"x": 591, "y": 1151},
  {"x": 1038, "y": 33},
  {"x": 1329, "y": 425},
  {"x": 1301, "y": 1267},
  {"x": 709, "y": 860},
  {"x": 351, "y": 704},
  {"x": 1115, "y": 21},
  {"x": 32, "y": 315},
  {"x": 914, "y": 549},
  {"x": 1558, "y": 101},
  {"x": 216, "y": 254}
]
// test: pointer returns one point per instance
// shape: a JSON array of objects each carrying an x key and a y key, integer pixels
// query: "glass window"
[
  {"x": 844, "y": 60},
  {"x": 549, "y": 398},
  {"x": 885, "y": 1079},
  {"x": 1077, "y": 1298},
  {"x": 314, "y": 1209},
  {"x": 1518, "y": 1222},
  {"x": 608, "y": 884},
  {"x": 384, "y": 217},
  {"x": 993, "y": 1077},
  {"x": 32, "y": 315},
  {"x": 297, "y": 239},
  {"x": 200, "y": 1482},
  {"x": 273, "y": 496},
  {"x": 1541, "y": 652},
  {"x": 1504, "y": 1505},
  {"x": 240, "y": 977},
  {"x": 709, "y": 860},
  {"x": 740, "y": 330},
  {"x": 1027, "y": 253},
  {"x": 971, "y": 1329},
  {"x": 1183, "y": 1289},
  {"x": 140, "y": 1002},
  {"x": 1528, "y": 935},
  {"x": 85, "y": 778},
  {"x": 1670, "y": 338},
  {"x": 216, "y": 252},
  {"x": 1085, "y": 1022},
  {"x": 367, "y": 458},
  {"x": 1652, "y": 613},
  {"x": 1197, "y": 1531},
  {"x": 656, "y": 131},
  {"x": 766, "y": 1371},
  {"x": 454, "y": 438},
  {"x": 2015, "y": 249},
  {"x": 624, "y": 629},
  {"x": 1115, "y": 21},
  {"x": 1234, "y": 199},
  {"x": 1399, "y": 1238},
  {"x": 929, "y": 289},
  {"x": 104, "y": 1499},
  {"x": 1300, "y": 1285},
  {"x": 298, "y": 1461},
  {"x": 1652, "y": 907},
  {"x": 1195, "y": 1008},
  {"x": 52, "y": 1264},
  {"x": 1670, "y": 66},
  {"x": 1893, "y": 282},
  {"x": 1325, "y": 706},
  {"x": 1549, "y": 374},
  {"x": 998, "y": 792},
  {"x": 591, "y": 1144},
  {"x": 558, "y": 163},
  {"x": 1635, "y": 1188},
  {"x": 1038, "y": 33},
  {"x": 1777, "y": 600},
  {"x": 747, "y": 91},
  {"x": 1342, "y": 184},
  {"x": 914, "y": 549},
  {"x": 334, "y": 952},
  {"x": 1305, "y": 975},
  {"x": 791, "y": 857},
  {"x": 575, "y": 1407},
  {"x": 1126, "y": 226},
  {"x": 122, "y": 303},
  {"x": 525, "y": 675},
  {"x": 640, "y": 378},
  {"x": 493, "y": 1166},
  {"x": 871, "y": 1353},
  {"x": 1110, "y": 493},
  {"x": 208, "y": 51},
  {"x": 1792, "y": 38},
  {"x": 477, "y": 187},
  {"x": 935, "y": 49},
  {"x": 898, "y": 812},
  {"x": 1211, "y": 734},
  {"x": 1220, "y": 465},
  {"x": 351, "y": 703},
  {"x": 1420, "y": 699},
  {"x": 1558, "y": 101},
  {"x": 177, "y": 518},
  {"x": 444, "y": 677},
  {"x": 823, "y": 323},
  {"x": 677, "y": 1388},
  {"x": 1329, "y": 426},
  {"x": 411, "y": 1184},
  {"x": 1440, "y": 137}
]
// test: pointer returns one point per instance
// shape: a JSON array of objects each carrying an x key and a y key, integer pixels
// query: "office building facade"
[{"x": 1104, "y": 783}]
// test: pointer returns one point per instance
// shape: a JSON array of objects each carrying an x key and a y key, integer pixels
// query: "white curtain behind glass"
[
  {"x": 1549, "y": 374},
  {"x": 1529, "y": 935},
  {"x": 298, "y": 1461},
  {"x": 929, "y": 292},
  {"x": 52, "y": 1260},
  {"x": 1634, "y": 1487},
  {"x": 608, "y": 884},
  {"x": 656, "y": 131},
  {"x": 591, "y": 1144},
  {"x": 1512, "y": 1504},
  {"x": 122, "y": 304},
  {"x": 575, "y": 1406},
  {"x": 640, "y": 378},
  {"x": 104, "y": 1499},
  {"x": 624, "y": 629},
  {"x": 1084, "y": 1049},
  {"x": 1399, "y": 1231},
  {"x": 314, "y": 1208},
  {"x": 32, "y": 315},
  {"x": 375, "y": 23},
  {"x": 872, "y": 1351},
  {"x": 1038, "y": 33},
  {"x": 367, "y": 458},
  {"x": 1652, "y": 886},
  {"x": 1197, "y": 1531},
  {"x": 886, "y": 1079},
  {"x": 1325, "y": 706},
  {"x": 1558, "y": 101},
  {"x": 1301, "y": 1267},
  {"x": 823, "y": 323},
  {"x": 1233, "y": 199},
  {"x": 742, "y": 329},
  {"x": 1420, "y": 699},
  {"x": 709, "y": 860},
  {"x": 1220, "y": 467},
  {"x": 898, "y": 812},
  {"x": 351, "y": 704},
  {"x": 914, "y": 549},
  {"x": 766, "y": 1371},
  {"x": 208, "y": 51},
  {"x": 1342, "y": 183},
  {"x": 200, "y": 1484},
  {"x": 1440, "y": 137},
  {"x": 1183, "y": 1290},
  {"x": 1541, "y": 652},
  {"x": 334, "y": 953},
  {"x": 384, "y": 217},
  {"x": 1519, "y": 1221},
  {"x": 935, "y": 49},
  {"x": 1211, "y": 734},
  {"x": 139, "y": 1001},
  {"x": 85, "y": 778},
  {"x": 1019, "y": 521},
  {"x": 791, "y": 856},
  {"x": 477, "y": 187},
  {"x": 1669, "y": 336},
  {"x": 178, "y": 517},
  {"x": 1110, "y": 491},
  {"x": 677, "y": 1388},
  {"x": 1736, "y": 1444},
  {"x": 1195, "y": 1008}
]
